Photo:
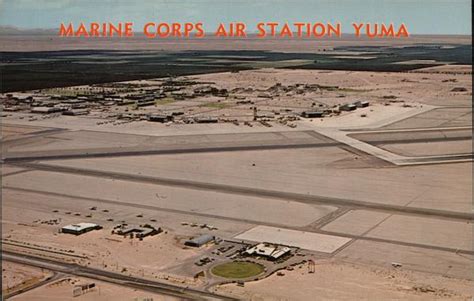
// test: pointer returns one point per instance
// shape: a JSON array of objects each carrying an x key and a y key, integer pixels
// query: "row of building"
[
  {"x": 138, "y": 231},
  {"x": 344, "y": 107}
]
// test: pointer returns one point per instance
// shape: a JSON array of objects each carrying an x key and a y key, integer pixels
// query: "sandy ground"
[
  {"x": 344, "y": 281},
  {"x": 24, "y": 230},
  {"x": 62, "y": 290},
  {"x": 157, "y": 258},
  {"x": 448, "y": 69},
  {"x": 409, "y": 87},
  {"x": 11, "y": 132},
  {"x": 17, "y": 276},
  {"x": 10, "y": 169},
  {"x": 147, "y": 258}
]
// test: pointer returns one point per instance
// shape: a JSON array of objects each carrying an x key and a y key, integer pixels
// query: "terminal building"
[{"x": 269, "y": 251}]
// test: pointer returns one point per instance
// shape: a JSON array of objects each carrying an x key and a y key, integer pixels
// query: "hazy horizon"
[
  {"x": 12, "y": 30},
  {"x": 422, "y": 17}
]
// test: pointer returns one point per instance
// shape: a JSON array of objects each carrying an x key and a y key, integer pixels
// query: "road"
[
  {"x": 110, "y": 277},
  {"x": 50, "y": 279}
]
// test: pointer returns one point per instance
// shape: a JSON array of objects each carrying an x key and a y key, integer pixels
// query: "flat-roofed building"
[
  {"x": 206, "y": 119},
  {"x": 361, "y": 104},
  {"x": 80, "y": 228},
  {"x": 269, "y": 251},
  {"x": 200, "y": 240},
  {"x": 312, "y": 114},
  {"x": 348, "y": 107},
  {"x": 46, "y": 110},
  {"x": 160, "y": 118},
  {"x": 137, "y": 231}
]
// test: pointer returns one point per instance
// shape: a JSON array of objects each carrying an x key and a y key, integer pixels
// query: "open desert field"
[{"x": 341, "y": 281}]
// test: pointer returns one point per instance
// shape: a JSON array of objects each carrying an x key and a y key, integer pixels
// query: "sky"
[{"x": 420, "y": 16}]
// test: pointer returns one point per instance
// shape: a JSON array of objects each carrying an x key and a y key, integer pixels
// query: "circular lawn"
[{"x": 237, "y": 269}]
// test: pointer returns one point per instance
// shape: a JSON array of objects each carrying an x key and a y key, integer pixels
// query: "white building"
[
  {"x": 80, "y": 228},
  {"x": 270, "y": 251}
]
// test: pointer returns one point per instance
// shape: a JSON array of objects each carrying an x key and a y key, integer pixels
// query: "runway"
[
  {"x": 319, "y": 141},
  {"x": 295, "y": 197}
]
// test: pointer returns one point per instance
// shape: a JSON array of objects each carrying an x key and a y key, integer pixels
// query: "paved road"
[
  {"x": 123, "y": 280},
  {"x": 50, "y": 279}
]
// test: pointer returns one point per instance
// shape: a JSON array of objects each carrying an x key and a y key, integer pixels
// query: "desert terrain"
[{"x": 341, "y": 184}]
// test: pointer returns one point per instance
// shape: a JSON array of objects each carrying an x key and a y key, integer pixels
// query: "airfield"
[{"x": 373, "y": 202}]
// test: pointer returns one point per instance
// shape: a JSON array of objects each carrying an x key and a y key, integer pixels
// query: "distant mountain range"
[{"x": 12, "y": 30}]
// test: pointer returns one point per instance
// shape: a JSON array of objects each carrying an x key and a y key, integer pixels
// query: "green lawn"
[{"x": 237, "y": 269}]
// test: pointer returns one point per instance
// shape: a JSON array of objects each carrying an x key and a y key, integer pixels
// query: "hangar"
[
  {"x": 80, "y": 228},
  {"x": 200, "y": 240}
]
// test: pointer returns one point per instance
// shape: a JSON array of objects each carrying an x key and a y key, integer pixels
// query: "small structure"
[
  {"x": 361, "y": 104},
  {"x": 76, "y": 112},
  {"x": 143, "y": 299},
  {"x": 269, "y": 251},
  {"x": 46, "y": 110},
  {"x": 201, "y": 274},
  {"x": 80, "y": 228},
  {"x": 312, "y": 114},
  {"x": 74, "y": 101},
  {"x": 205, "y": 119},
  {"x": 160, "y": 118},
  {"x": 348, "y": 107},
  {"x": 458, "y": 89},
  {"x": 146, "y": 102},
  {"x": 311, "y": 266},
  {"x": 123, "y": 102},
  {"x": 264, "y": 95},
  {"x": 138, "y": 231},
  {"x": 199, "y": 241},
  {"x": 81, "y": 289}
]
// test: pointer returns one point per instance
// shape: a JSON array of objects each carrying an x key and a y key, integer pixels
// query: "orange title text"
[{"x": 232, "y": 30}]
